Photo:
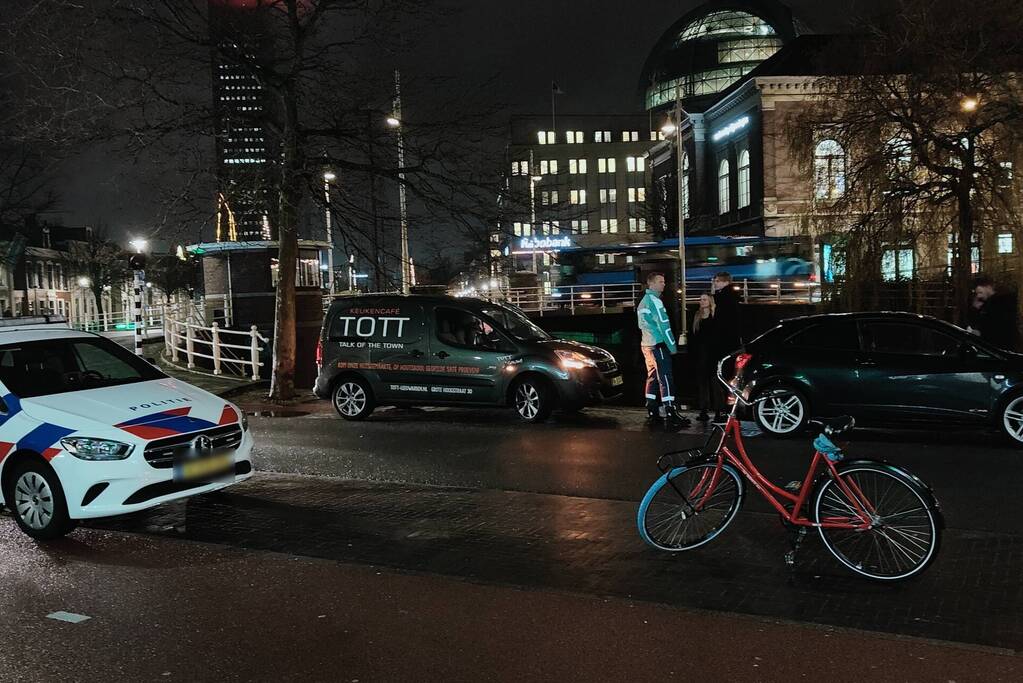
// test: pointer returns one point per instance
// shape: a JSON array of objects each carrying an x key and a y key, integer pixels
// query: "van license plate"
[
  {"x": 204, "y": 468},
  {"x": 617, "y": 381}
]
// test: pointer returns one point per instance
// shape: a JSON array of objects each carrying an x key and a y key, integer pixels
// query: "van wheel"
[
  {"x": 353, "y": 399},
  {"x": 37, "y": 502},
  {"x": 533, "y": 400}
]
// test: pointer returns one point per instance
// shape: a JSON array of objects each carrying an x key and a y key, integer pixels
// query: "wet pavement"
[{"x": 540, "y": 521}]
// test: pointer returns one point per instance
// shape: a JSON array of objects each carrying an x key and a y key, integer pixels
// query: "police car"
[{"x": 87, "y": 429}]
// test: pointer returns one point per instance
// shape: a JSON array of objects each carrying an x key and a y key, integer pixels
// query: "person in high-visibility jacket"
[{"x": 658, "y": 345}]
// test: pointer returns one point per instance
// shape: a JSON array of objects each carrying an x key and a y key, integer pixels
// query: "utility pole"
[
  {"x": 328, "y": 177},
  {"x": 682, "y": 192},
  {"x": 406, "y": 275}
]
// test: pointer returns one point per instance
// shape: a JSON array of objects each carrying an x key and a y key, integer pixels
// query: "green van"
[{"x": 379, "y": 350}]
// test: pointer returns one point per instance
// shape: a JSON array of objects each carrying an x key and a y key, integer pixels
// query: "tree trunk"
[
  {"x": 282, "y": 383},
  {"x": 961, "y": 260}
]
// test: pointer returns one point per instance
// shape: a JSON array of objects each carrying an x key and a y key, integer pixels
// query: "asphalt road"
[{"x": 610, "y": 454}]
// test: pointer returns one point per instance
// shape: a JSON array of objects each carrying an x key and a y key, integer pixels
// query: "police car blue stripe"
[
  {"x": 42, "y": 437},
  {"x": 13, "y": 408}
]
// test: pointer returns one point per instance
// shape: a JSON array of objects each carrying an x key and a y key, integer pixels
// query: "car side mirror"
[{"x": 968, "y": 351}]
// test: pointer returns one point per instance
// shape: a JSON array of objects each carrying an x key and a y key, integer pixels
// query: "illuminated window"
[
  {"x": 580, "y": 227},
  {"x": 606, "y": 165},
  {"x": 744, "y": 179},
  {"x": 637, "y": 225},
  {"x": 577, "y": 196},
  {"x": 520, "y": 168},
  {"x": 974, "y": 254},
  {"x": 517, "y": 229},
  {"x": 725, "y": 23},
  {"x": 577, "y": 166},
  {"x": 548, "y": 166},
  {"x": 829, "y": 170},
  {"x": 574, "y": 137},
  {"x": 1005, "y": 243},
  {"x": 747, "y": 49},
  {"x": 897, "y": 263},
  {"x": 602, "y": 136},
  {"x": 637, "y": 194},
  {"x": 545, "y": 137},
  {"x": 724, "y": 199},
  {"x": 630, "y": 136},
  {"x": 635, "y": 164},
  {"x": 608, "y": 196},
  {"x": 549, "y": 198},
  {"x": 609, "y": 225}
]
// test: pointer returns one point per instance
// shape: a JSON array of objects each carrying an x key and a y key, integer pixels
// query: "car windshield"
[
  {"x": 516, "y": 324},
  {"x": 57, "y": 366}
]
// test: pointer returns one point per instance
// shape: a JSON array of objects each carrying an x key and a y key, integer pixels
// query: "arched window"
[
  {"x": 724, "y": 200},
  {"x": 684, "y": 188},
  {"x": 829, "y": 170},
  {"x": 744, "y": 179}
]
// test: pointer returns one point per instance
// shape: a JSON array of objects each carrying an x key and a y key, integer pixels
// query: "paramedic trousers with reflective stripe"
[{"x": 659, "y": 382}]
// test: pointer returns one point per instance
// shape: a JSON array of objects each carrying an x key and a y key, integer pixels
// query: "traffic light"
[{"x": 137, "y": 261}]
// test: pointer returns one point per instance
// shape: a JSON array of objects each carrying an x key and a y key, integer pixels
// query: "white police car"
[{"x": 87, "y": 429}]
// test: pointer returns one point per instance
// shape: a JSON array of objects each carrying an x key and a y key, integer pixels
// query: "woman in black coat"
[{"x": 705, "y": 343}]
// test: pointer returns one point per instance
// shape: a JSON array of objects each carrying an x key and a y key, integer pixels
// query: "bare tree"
[
  {"x": 100, "y": 261},
  {"x": 928, "y": 120}
]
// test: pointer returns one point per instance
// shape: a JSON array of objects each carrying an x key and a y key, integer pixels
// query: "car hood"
[
  {"x": 592, "y": 352},
  {"x": 148, "y": 410}
]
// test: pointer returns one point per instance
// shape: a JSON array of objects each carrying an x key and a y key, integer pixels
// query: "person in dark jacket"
[
  {"x": 997, "y": 316},
  {"x": 726, "y": 315},
  {"x": 704, "y": 344}
]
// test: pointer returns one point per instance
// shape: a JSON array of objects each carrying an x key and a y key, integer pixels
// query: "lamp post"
[
  {"x": 137, "y": 261},
  {"x": 534, "y": 178},
  {"x": 328, "y": 178},
  {"x": 394, "y": 121},
  {"x": 674, "y": 127}
]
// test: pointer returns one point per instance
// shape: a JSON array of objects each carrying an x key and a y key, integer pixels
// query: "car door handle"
[
  {"x": 865, "y": 362},
  {"x": 416, "y": 353},
  {"x": 443, "y": 354}
]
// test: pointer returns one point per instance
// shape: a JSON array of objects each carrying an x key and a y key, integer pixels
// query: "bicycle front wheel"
[
  {"x": 905, "y": 530},
  {"x": 690, "y": 506}
]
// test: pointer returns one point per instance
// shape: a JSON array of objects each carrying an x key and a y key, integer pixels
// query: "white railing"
[
  {"x": 236, "y": 351},
  {"x": 209, "y": 308}
]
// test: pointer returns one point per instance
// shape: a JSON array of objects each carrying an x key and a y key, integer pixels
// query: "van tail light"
[
  {"x": 319, "y": 354},
  {"x": 741, "y": 361}
]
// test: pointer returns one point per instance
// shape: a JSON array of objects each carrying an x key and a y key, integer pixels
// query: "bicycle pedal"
[
  {"x": 790, "y": 558},
  {"x": 793, "y": 486}
]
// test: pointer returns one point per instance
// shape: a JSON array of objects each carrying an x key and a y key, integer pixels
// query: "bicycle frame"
[{"x": 778, "y": 497}]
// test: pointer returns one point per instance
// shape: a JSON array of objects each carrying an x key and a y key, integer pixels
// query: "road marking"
[{"x": 69, "y": 617}]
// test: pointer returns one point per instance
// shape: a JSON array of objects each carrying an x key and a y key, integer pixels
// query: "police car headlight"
[
  {"x": 570, "y": 360},
  {"x": 96, "y": 449}
]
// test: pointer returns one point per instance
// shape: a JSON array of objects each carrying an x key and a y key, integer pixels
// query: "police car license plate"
[
  {"x": 203, "y": 468},
  {"x": 617, "y": 381}
]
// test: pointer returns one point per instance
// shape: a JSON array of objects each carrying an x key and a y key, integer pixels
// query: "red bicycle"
[{"x": 877, "y": 519}]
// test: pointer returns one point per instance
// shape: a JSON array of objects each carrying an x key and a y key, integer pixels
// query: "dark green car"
[
  {"x": 421, "y": 350},
  {"x": 885, "y": 369}
]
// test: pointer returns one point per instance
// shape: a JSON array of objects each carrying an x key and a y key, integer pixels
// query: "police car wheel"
[
  {"x": 533, "y": 401},
  {"x": 353, "y": 399},
  {"x": 37, "y": 502}
]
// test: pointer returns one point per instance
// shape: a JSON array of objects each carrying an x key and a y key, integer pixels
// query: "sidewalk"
[{"x": 163, "y": 609}]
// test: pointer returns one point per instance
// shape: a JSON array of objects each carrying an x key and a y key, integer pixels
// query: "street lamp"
[
  {"x": 969, "y": 104},
  {"x": 139, "y": 245},
  {"x": 328, "y": 178},
  {"x": 84, "y": 282},
  {"x": 393, "y": 122}
]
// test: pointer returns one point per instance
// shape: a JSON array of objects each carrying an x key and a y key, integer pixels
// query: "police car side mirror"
[{"x": 3, "y": 407}]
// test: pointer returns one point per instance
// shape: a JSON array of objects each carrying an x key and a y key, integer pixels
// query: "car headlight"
[
  {"x": 96, "y": 449},
  {"x": 571, "y": 360}
]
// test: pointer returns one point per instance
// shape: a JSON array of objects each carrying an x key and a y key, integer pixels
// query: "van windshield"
[
  {"x": 56, "y": 366},
  {"x": 516, "y": 324}
]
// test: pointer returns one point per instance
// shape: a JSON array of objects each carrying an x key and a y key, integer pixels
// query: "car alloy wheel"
[
  {"x": 1012, "y": 419},
  {"x": 527, "y": 401},
  {"x": 781, "y": 412},
  {"x": 350, "y": 399},
  {"x": 33, "y": 500}
]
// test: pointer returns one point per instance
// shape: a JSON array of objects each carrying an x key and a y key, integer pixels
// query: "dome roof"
[{"x": 712, "y": 47}]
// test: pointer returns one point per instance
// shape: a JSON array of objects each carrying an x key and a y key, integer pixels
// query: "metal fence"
[{"x": 232, "y": 352}]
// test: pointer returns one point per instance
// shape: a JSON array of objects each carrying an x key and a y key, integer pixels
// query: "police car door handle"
[{"x": 442, "y": 354}]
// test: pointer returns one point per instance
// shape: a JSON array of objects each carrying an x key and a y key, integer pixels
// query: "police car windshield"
[
  {"x": 516, "y": 324},
  {"x": 56, "y": 366}
]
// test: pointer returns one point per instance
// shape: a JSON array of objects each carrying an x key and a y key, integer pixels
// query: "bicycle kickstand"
[{"x": 797, "y": 541}]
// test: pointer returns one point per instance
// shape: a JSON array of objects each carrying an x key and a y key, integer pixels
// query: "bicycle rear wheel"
[
  {"x": 689, "y": 506},
  {"x": 905, "y": 532}
]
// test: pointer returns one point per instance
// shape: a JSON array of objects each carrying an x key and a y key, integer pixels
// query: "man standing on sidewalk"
[{"x": 658, "y": 344}]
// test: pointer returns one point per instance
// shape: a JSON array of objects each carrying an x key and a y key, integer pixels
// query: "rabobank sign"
[{"x": 544, "y": 243}]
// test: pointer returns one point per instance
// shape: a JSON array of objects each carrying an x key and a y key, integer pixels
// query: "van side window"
[{"x": 456, "y": 327}]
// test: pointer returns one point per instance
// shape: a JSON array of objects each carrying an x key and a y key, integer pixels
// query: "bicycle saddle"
[{"x": 833, "y": 426}]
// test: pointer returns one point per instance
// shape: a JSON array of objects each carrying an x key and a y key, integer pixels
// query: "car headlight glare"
[
  {"x": 571, "y": 360},
  {"x": 96, "y": 449}
]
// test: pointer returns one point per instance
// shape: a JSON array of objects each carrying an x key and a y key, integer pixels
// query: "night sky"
[{"x": 594, "y": 50}]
